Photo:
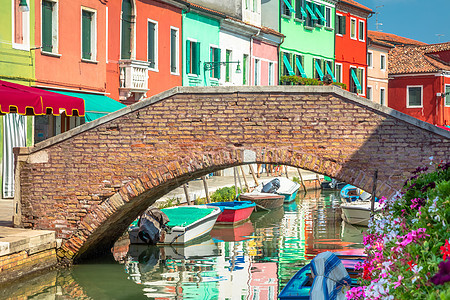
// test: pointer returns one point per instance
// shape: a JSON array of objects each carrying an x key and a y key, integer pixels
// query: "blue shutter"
[
  {"x": 319, "y": 13},
  {"x": 318, "y": 69},
  {"x": 300, "y": 67},
  {"x": 288, "y": 4},
  {"x": 330, "y": 72},
  {"x": 313, "y": 16},
  {"x": 288, "y": 65},
  {"x": 188, "y": 57},
  {"x": 355, "y": 79}
]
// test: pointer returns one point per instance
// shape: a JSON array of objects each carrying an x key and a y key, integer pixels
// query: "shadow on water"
[{"x": 255, "y": 258}]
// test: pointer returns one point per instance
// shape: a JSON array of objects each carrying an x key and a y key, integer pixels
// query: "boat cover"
[
  {"x": 330, "y": 277},
  {"x": 151, "y": 223},
  {"x": 185, "y": 215}
]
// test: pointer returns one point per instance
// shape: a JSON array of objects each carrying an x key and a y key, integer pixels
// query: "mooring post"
[
  {"x": 186, "y": 192},
  {"x": 245, "y": 179},
  {"x": 286, "y": 169},
  {"x": 239, "y": 179},
  {"x": 253, "y": 174},
  {"x": 235, "y": 182},
  {"x": 301, "y": 179},
  {"x": 208, "y": 200},
  {"x": 374, "y": 190}
]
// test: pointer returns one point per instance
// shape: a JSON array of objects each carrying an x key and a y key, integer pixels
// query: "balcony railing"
[{"x": 133, "y": 77}]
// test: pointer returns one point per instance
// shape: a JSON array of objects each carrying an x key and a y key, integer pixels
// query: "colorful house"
[
  {"x": 308, "y": 26},
  {"x": 377, "y": 69},
  {"x": 201, "y": 42},
  {"x": 419, "y": 82},
  {"x": 351, "y": 45},
  {"x": 16, "y": 65},
  {"x": 143, "y": 56}
]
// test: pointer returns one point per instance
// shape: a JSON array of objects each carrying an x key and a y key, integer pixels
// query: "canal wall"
[{"x": 23, "y": 252}]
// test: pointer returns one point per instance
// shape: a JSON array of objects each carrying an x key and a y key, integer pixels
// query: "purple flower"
[
  {"x": 431, "y": 185},
  {"x": 417, "y": 203},
  {"x": 443, "y": 275}
]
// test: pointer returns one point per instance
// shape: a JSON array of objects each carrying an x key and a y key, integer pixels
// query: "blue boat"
[
  {"x": 350, "y": 193},
  {"x": 299, "y": 286}
]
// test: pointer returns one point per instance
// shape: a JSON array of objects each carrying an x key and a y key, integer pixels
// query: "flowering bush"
[{"x": 408, "y": 245}]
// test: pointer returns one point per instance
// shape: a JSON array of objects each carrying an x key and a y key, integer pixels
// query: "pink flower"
[{"x": 398, "y": 283}]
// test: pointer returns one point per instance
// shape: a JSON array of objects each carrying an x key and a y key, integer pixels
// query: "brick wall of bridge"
[{"x": 88, "y": 184}]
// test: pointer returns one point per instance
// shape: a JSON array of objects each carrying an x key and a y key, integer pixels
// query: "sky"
[{"x": 425, "y": 21}]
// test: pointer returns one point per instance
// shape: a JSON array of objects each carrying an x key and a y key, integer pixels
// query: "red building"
[
  {"x": 419, "y": 78},
  {"x": 351, "y": 45},
  {"x": 144, "y": 48}
]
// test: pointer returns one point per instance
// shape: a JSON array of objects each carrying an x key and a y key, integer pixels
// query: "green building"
[
  {"x": 16, "y": 65},
  {"x": 309, "y": 47},
  {"x": 201, "y": 44}
]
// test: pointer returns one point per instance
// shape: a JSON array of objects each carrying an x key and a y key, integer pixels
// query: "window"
[
  {"x": 328, "y": 69},
  {"x": 127, "y": 29},
  {"x": 287, "y": 63},
  {"x": 383, "y": 62},
  {"x": 369, "y": 92},
  {"x": 328, "y": 17},
  {"x": 214, "y": 57},
  {"x": 447, "y": 97},
  {"x": 20, "y": 27},
  {"x": 245, "y": 69},
  {"x": 382, "y": 96},
  {"x": 369, "y": 59},
  {"x": 49, "y": 26},
  {"x": 318, "y": 68},
  {"x": 300, "y": 12},
  {"x": 353, "y": 28},
  {"x": 257, "y": 71},
  {"x": 340, "y": 25},
  {"x": 174, "y": 50},
  {"x": 414, "y": 96},
  {"x": 319, "y": 11},
  {"x": 192, "y": 57},
  {"x": 227, "y": 66},
  {"x": 338, "y": 72},
  {"x": 286, "y": 8},
  {"x": 362, "y": 31},
  {"x": 251, "y": 5},
  {"x": 152, "y": 44},
  {"x": 311, "y": 18},
  {"x": 88, "y": 38},
  {"x": 299, "y": 62},
  {"x": 271, "y": 73},
  {"x": 356, "y": 80}
]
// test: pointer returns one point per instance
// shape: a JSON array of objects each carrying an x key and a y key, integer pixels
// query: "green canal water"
[{"x": 251, "y": 261}]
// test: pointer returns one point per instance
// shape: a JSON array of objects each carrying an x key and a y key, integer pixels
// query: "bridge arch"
[{"x": 88, "y": 184}]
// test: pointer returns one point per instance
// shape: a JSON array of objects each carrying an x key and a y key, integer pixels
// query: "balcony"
[{"x": 133, "y": 79}]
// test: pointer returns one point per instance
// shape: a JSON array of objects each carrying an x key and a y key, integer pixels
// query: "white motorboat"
[
  {"x": 187, "y": 223},
  {"x": 358, "y": 212},
  {"x": 288, "y": 188}
]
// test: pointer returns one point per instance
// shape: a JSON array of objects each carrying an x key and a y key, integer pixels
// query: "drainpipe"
[{"x": 251, "y": 55}]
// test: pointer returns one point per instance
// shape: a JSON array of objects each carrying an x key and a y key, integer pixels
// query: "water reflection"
[{"x": 251, "y": 261}]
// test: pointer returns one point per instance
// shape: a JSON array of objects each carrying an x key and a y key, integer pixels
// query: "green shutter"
[
  {"x": 318, "y": 69},
  {"x": 343, "y": 25},
  {"x": 217, "y": 65},
  {"x": 311, "y": 13},
  {"x": 244, "y": 70},
  {"x": 227, "y": 67},
  {"x": 126, "y": 29},
  {"x": 300, "y": 67},
  {"x": 447, "y": 95},
  {"x": 151, "y": 44},
  {"x": 288, "y": 65},
  {"x": 196, "y": 58},
  {"x": 319, "y": 13},
  {"x": 173, "y": 50},
  {"x": 288, "y": 4},
  {"x": 355, "y": 80},
  {"x": 188, "y": 57},
  {"x": 86, "y": 24},
  {"x": 47, "y": 14},
  {"x": 330, "y": 71}
]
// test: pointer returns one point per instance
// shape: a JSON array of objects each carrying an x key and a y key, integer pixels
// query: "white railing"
[{"x": 134, "y": 75}]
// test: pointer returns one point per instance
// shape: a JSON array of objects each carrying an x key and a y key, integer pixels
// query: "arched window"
[{"x": 127, "y": 28}]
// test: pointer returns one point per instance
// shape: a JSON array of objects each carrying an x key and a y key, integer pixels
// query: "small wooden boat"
[
  {"x": 264, "y": 200},
  {"x": 187, "y": 223},
  {"x": 233, "y": 211},
  {"x": 299, "y": 286},
  {"x": 350, "y": 193}
]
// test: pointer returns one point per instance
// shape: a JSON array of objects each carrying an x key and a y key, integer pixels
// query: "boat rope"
[{"x": 174, "y": 239}]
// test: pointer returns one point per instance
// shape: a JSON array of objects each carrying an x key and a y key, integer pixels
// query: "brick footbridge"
[{"x": 90, "y": 183}]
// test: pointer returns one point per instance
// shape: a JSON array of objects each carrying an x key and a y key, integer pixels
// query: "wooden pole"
[
  {"x": 208, "y": 200},
  {"x": 286, "y": 169},
  {"x": 245, "y": 179},
  {"x": 186, "y": 192},
  {"x": 235, "y": 182},
  {"x": 317, "y": 180},
  {"x": 253, "y": 174},
  {"x": 374, "y": 190},
  {"x": 239, "y": 178},
  {"x": 301, "y": 179}
]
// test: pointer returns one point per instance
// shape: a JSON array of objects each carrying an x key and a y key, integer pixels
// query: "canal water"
[{"x": 251, "y": 261}]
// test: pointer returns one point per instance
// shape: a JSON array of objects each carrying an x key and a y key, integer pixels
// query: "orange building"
[
  {"x": 351, "y": 45},
  {"x": 144, "y": 49}
]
